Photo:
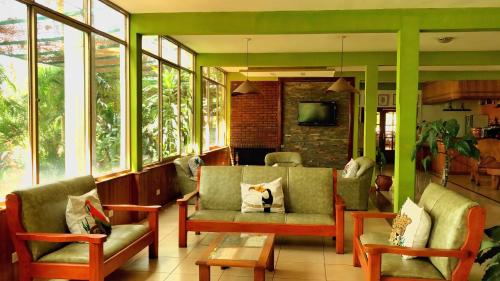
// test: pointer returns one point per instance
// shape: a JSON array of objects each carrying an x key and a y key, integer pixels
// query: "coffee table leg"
[
  {"x": 270, "y": 261},
  {"x": 259, "y": 274},
  {"x": 204, "y": 272}
]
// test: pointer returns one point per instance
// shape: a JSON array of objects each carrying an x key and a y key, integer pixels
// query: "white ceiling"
[
  {"x": 164, "y": 6},
  {"x": 356, "y": 42}
]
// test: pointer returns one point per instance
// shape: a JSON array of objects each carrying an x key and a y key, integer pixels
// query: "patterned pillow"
[
  {"x": 84, "y": 215},
  {"x": 262, "y": 197},
  {"x": 194, "y": 163},
  {"x": 350, "y": 169},
  {"x": 411, "y": 227}
]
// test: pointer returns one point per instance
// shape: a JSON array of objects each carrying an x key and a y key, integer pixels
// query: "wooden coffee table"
[
  {"x": 494, "y": 171},
  {"x": 251, "y": 250}
]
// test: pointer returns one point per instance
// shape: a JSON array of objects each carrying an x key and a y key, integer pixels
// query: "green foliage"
[
  {"x": 380, "y": 159},
  {"x": 489, "y": 254}
]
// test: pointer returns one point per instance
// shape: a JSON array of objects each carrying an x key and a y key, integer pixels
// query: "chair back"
[{"x": 283, "y": 159}]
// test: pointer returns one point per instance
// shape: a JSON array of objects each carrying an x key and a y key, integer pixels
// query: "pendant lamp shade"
[
  {"x": 342, "y": 86},
  {"x": 246, "y": 87}
]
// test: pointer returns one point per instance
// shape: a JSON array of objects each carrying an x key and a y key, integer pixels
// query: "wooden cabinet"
[
  {"x": 459, "y": 163},
  {"x": 446, "y": 91}
]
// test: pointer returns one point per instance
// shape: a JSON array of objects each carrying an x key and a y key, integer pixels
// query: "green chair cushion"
[
  {"x": 448, "y": 211},
  {"x": 121, "y": 237},
  {"x": 310, "y": 190},
  {"x": 319, "y": 219},
  {"x": 260, "y": 217},
  {"x": 43, "y": 209},
  {"x": 213, "y": 215},
  {"x": 395, "y": 266},
  {"x": 220, "y": 188}
]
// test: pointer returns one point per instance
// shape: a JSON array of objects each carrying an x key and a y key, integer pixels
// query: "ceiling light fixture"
[
  {"x": 246, "y": 87},
  {"x": 341, "y": 85}
]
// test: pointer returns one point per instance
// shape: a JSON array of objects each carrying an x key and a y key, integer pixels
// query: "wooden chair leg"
[
  {"x": 96, "y": 262},
  {"x": 153, "y": 224},
  {"x": 23, "y": 274},
  {"x": 355, "y": 258},
  {"x": 182, "y": 226},
  {"x": 204, "y": 274}
]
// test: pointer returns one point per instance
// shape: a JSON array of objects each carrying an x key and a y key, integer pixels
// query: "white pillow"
[
  {"x": 262, "y": 197},
  {"x": 350, "y": 169},
  {"x": 84, "y": 215},
  {"x": 411, "y": 228}
]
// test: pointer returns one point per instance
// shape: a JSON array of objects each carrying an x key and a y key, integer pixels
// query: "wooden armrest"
[
  {"x": 184, "y": 200},
  {"x": 372, "y": 215},
  {"x": 132, "y": 208},
  {"x": 62, "y": 237},
  {"x": 339, "y": 200},
  {"x": 374, "y": 249}
]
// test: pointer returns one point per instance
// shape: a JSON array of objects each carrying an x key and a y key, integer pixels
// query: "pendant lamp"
[
  {"x": 246, "y": 87},
  {"x": 341, "y": 85}
]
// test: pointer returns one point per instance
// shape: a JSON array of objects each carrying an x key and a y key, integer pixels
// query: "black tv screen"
[{"x": 317, "y": 113}]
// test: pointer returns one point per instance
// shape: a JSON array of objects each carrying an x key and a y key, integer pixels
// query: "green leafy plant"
[
  {"x": 380, "y": 160},
  {"x": 489, "y": 254},
  {"x": 445, "y": 132}
]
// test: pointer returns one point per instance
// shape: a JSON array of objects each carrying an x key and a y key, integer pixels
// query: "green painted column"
[
  {"x": 370, "y": 115},
  {"x": 406, "y": 110},
  {"x": 135, "y": 94},
  {"x": 198, "y": 104}
]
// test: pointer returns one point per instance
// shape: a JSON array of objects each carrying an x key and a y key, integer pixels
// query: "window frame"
[
  {"x": 161, "y": 62},
  {"x": 206, "y": 80},
  {"x": 34, "y": 9}
]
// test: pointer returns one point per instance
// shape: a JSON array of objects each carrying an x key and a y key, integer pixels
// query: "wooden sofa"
[
  {"x": 311, "y": 203},
  {"x": 489, "y": 150},
  {"x": 456, "y": 233},
  {"x": 45, "y": 248}
]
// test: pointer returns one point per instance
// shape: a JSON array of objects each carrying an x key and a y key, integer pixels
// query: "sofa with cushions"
[
  {"x": 312, "y": 206},
  {"x": 355, "y": 190},
  {"x": 283, "y": 159},
  {"x": 185, "y": 181},
  {"x": 453, "y": 240},
  {"x": 46, "y": 249}
]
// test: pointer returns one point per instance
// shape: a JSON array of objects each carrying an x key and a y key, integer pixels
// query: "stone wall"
[{"x": 320, "y": 146}]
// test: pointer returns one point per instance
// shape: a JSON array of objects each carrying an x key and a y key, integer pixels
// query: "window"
[
  {"x": 167, "y": 100},
  {"x": 214, "y": 108},
  {"x": 15, "y": 160},
  {"x": 78, "y": 77}
]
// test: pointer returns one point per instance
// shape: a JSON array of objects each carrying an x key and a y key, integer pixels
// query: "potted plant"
[
  {"x": 489, "y": 254},
  {"x": 383, "y": 182},
  {"x": 445, "y": 132}
]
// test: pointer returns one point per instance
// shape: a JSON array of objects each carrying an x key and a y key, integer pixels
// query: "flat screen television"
[{"x": 313, "y": 113}]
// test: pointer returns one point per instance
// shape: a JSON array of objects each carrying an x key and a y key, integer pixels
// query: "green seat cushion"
[
  {"x": 43, "y": 209},
  {"x": 310, "y": 190},
  {"x": 321, "y": 219},
  {"x": 213, "y": 215},
  {"x": 260, "y": 217},
  {"x": 220, "y": 188},
  {"x": 395, "y": 266},
  {"x": 121, "y": 237}
]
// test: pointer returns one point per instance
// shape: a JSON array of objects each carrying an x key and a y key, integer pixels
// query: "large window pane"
[
  {"x": 205, "y": 115},
  {"x": 15, "y": 166},
  {"x": 212, "y": 121},
  {"x": 186, "y": 59},
  {"x": 169, "y": 51},
  {"x": 61, "y": 94},
  {"x": 110, "y": 115},
  {"x": 150, "y": 43},
  {"x": 187, "y": 114},
  {"x": 221, "y": 109},
  {"x": 108, "y": 19},
  {"x": 170, "y": 111},
  {"x": 150, "y": 110},
  {"x": 71, "y": 8}
]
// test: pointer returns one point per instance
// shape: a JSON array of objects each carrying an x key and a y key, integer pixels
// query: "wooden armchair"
[{"x": 452, "y": 247}]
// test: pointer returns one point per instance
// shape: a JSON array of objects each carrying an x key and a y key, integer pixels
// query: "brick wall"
[{"x": 256, "y": 118}]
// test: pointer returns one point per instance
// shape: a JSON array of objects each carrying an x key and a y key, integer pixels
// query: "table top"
[
  {"x": 493, "y": 171},
  {"x": 239, "y": 250}
]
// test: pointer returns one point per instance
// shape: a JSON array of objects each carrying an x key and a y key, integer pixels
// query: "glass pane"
[
  {"x": 205, "y": 116},
  {"x": 170, "y": 111},
  {"x": 205, "y": 71},
  {"x": 61, "y": 94},
  {"x": 71, "y": 8},
  {"x": 15, "y": 164},
  {"x": 110, "y": 107},
  {"x": 187, "y": 111},
  {"x": 186, "y": 59},
  {"x": 169, "y": 51},
  {"x": 239, "y": 247},
  {"x": 150, "y": 110},
  {"x": 212, "y": 122},
  {"x": 222, "y": 114},
  {"x": 150, "y": 43},
  {"x": 108, "y": 19}
]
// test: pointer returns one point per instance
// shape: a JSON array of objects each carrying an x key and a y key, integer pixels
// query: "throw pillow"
[
  {"x": 194, "y": 163},
  {"x": 262, "y": 197},
  {"x": 350, "y": 169},
  {"x": 411, "y": 227},
  {"x": 84, "y": 215}
]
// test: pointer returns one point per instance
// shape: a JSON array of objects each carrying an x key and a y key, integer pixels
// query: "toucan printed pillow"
[
  {"x": 263, "y": 197},
  {"x": 84, "y": 215}
]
